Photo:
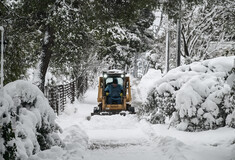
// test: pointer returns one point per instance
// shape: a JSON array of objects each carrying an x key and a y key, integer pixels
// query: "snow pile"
[
  {"x": 32, "y": 119},
  {"x": 147, "y": 83},
  {"x": 75, "y": 146},
  {"x": 196, "y": 96}
]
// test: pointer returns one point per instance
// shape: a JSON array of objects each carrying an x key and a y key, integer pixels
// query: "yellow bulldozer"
[{"x": 114, "y": 94}]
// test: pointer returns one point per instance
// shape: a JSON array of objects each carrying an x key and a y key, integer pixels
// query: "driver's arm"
[
  {"x": 121, "y": 88},
  {"x": 106, "y": 90}
]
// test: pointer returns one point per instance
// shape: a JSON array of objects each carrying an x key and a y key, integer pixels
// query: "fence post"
[
  {"x": 81, "y": 85},
  {"x": 58, "y": 104},
  {"x": 53, "y": 99},
  {"x": 77, "y": 87},
  {"x": 57, "y": 101},
  {"x": 72, "y": 91},
  {"x": 63, "y": 97}
]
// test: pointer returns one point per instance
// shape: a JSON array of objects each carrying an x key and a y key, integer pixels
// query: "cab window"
[{"x": 109, "y": 80}]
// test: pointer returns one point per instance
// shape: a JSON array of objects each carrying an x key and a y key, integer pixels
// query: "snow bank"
[
  {"x": 55, "y": 153},
  {"x": 196, "y": 96},
  {"x": 147, "y": 83},
  {"x": 32, "y": 119}
]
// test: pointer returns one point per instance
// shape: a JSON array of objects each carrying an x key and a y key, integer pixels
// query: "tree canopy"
[{"x": 65, "y": 35}]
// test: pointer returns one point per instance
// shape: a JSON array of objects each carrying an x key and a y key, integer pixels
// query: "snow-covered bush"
[
  {"x": 230, "y": 120},
  {"x": 7, "y": 145},
  {"x": 157, "y": 107},
  {"x": 32, "y": 119},
  {"x": 195, "y": 96}
]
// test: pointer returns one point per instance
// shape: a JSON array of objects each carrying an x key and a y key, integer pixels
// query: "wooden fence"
[{"x": 58, "y": 95}]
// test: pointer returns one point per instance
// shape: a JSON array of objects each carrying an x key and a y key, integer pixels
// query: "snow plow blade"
[{"x": 108, "y": 113}]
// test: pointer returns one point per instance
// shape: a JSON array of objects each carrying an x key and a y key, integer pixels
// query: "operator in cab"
[{"x": 114, "y": 92}]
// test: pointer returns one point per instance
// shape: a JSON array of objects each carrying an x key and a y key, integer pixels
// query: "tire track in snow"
[
  {"x": 107, "y": 136},
  {"x": 170, "y": 148}
]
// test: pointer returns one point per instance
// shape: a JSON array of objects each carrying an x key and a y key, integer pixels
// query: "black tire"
[
  {"x": 132, "y": 110},
  {"x": 96, "y": 111}
]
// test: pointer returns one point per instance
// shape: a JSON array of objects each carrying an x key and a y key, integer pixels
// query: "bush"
[
  {"x": 32, "y": 120},
  {"x": 194, "y": 97},
  {"x": 158, "y": 106},
  {"x": 230, "y": 106},
  {"x": 7, "y": 136}
]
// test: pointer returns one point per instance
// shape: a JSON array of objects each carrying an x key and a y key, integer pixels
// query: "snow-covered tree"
[
  {"x": 206, "y": 23},
  {"x": 27, "y": 121},
  {"x": 65, "y": 36}
]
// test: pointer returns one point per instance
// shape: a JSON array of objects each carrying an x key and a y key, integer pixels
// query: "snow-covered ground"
[{"x": 126, "y": 138}]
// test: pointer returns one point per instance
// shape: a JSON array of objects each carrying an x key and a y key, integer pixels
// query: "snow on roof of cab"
[{"x": 115, "y": 71}]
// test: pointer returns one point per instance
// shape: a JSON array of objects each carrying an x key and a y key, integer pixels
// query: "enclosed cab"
[{"x": 104, "y": 105}]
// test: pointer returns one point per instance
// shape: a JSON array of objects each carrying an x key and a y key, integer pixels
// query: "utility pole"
[
  {"x": 167, "y": 46},
  {"x": 178, "y": 38},
  {"x": 2, "y": 60}
]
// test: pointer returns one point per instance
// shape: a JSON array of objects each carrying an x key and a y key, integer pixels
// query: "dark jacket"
[{"x": 114, "y": 92}]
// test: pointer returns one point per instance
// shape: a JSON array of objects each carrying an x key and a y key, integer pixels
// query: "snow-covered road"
[{"x": 126, "y": 138}]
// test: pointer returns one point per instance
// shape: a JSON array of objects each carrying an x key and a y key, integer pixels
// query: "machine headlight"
[
  {"x": 122, "y": 75},
  {"x": 105, "y": 75}
]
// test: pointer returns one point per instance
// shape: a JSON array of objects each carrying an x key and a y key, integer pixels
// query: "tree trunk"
[
  {"x": 186, "y": 52},
  {"x": 46, "y": 55}
]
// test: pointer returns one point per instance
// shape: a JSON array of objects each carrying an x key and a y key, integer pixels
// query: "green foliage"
[
  {"x": 8, "y": 135},
  {"x": 21, "y": 43},
  {"x": 123, "y": 12},
  {"x": 231, "y": 102},
  {"x": 158, "y": 107},
  {"x": 42, "y": 136},
  {"x": 122, "y": 42},
  {"x": 80, "y": 30}
]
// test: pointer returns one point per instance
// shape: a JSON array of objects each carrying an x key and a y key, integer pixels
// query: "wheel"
[
  {"x": 96, "y": 111},
  {"x": 132, "y": 110},
  {"x": 122, "y": 113}
]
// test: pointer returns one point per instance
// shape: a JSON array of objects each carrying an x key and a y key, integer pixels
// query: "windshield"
[{"x": 109, "y": 80}]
